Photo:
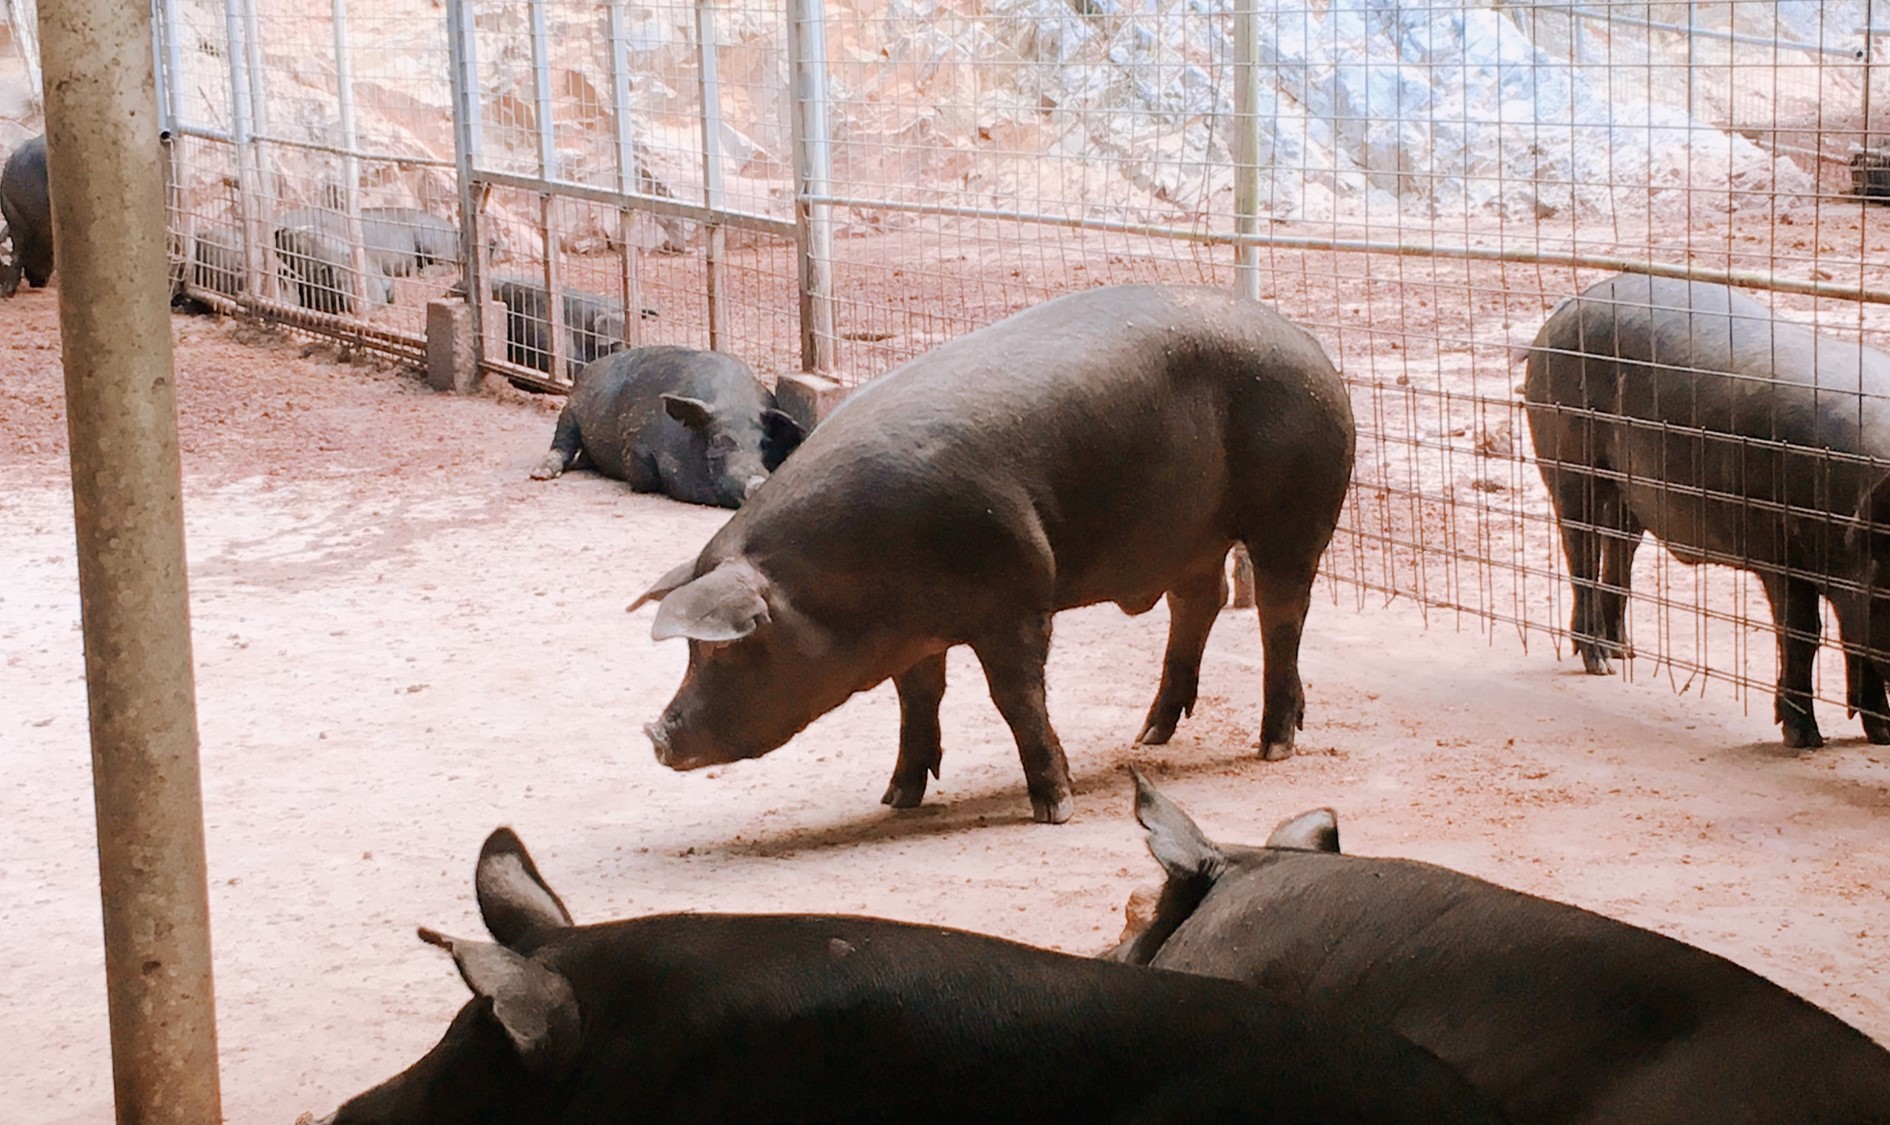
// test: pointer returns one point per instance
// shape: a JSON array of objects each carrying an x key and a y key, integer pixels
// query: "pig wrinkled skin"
[
  {"x": 1107, "y": 446},
  {"x": 784, "y": 1018},
  {"x": 693, "y": 425},
  {"x": 1559, "y": 1015},
  {"x": 1685, "y": 409}
]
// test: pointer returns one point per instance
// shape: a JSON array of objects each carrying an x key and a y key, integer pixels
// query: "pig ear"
[
  {"x": 677, "y": 577},
  {"x": 513, "y": 897},
  {"x": 1191, "y": 860},
  {"x": 783, "y": 436},
  {"x": 1314, "y": 831},
  {"x": 723, "y": 605},
  {"x": 534, "y": 1004},
  {"x": 1173, "y": 838},
  {"x": 691, "y": 412}
]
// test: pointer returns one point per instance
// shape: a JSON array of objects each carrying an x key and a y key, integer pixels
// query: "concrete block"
[
  {"x": 452, "y": 359},
  {"x": 492, "y": 324},
  {"x": 807, "y": 398}
]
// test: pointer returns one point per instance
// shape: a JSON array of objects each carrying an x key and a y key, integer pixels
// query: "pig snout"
[
  {"x": 682, "y": 744},
  {"x": 661, "y": 734}
]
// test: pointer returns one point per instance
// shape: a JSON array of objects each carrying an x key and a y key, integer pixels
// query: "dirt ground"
[{"x": 402, "y": 642}]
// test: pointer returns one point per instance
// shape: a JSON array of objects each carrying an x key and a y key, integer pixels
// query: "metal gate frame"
[{"x": 810, "y": 230}]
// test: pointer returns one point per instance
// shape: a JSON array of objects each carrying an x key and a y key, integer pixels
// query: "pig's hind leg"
[
  {"x": 1867, "y": 696},
  {"x": 1283, "y": 594},
  {"x": 1194, "y": 603},
  {"x": 566, "y": 446}
]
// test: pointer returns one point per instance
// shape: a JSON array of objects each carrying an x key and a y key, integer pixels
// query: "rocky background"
[{"x": 1118, "y": 107}]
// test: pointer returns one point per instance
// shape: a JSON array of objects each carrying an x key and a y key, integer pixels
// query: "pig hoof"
[
  {"x": 1155, "y": 733},
  {"x": 1277, "y": 751},
  {"x": 1596, "y": 663},
  {"x": 1802, "y": 737},
  {"x": 1054, "y": 811},
  {"x": 904, "y": 796},
  {"x": 548, "y": 469},
  {"x": 1877, "y": 729}
]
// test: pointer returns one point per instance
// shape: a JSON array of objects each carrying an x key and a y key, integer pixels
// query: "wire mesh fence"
[{"x": 839, "y": 186}]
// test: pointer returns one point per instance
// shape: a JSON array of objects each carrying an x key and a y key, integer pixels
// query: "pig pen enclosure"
[{"x": 402, "y": 642}]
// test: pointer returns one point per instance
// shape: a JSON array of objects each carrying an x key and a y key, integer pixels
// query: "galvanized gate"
[{"x": 661, "y": 207}]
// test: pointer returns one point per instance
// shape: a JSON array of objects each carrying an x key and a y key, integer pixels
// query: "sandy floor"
[{"x": 402, "y": 642}]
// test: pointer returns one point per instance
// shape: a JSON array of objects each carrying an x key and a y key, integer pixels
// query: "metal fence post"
[
  {"x": 1870, "y": 56},
  {"x": 629, "y": 254},
  {"x": 547, "y": 168},
  {"x": 464, "y": 65},
  {"x": 1693, "y": 63},
  {"x": 350, "y": 162},
  {"x": 166, "y": 63},
  {"x": 813, "y": 176},
  {"x": 265, "y": 202},
  {"x": 247, "y": 188},
  {"x": 714, "y": 240},
  {"x": 1246, "y": 147},
  {"x": 17, "y": 11},
  {"x": 127, "y": 496}
]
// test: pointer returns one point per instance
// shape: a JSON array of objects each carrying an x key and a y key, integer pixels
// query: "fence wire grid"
[{"x": 838, "y": 186}]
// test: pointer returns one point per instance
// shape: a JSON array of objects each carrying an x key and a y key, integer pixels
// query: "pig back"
[
  {"x": 1717, "y": 420},
  {"x": 804, "y": 1014},
  {"x": 1099, "y": 442},
  {"x": 1560, "y": 1013}
]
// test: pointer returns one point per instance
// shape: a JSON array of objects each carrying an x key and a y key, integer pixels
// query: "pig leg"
[
  {"x": 566, "y": 444},
  {"x": 1618, "y": 546},
  {"x": 920, "y": 689},
  {"x": 1284, "y": 597},
  {"x": 1867, "y": 695},
  {"x": 1193, "y": 605},
  {"x": 1599, "y": 537},
  {"x": 1795, "y": 616},
  {"x": 1013, "y": 666},
  {"x": 1864, "y": 690}
]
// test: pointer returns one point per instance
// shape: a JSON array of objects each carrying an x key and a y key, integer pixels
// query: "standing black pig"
[
  {"x": 1684, "y": 409},
  {"x": 799, "y": 1019},
  {"x": 1107, "y": 446},
  {"x": 1559, "y": 1015},
  {"x": 27, "y": 207},
  {"x": 693, "y": 425},
  {"x": 593, "y": 326}
]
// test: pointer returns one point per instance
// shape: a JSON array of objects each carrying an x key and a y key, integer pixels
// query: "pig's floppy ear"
[
  {"x": 723, "y": 605},
  {"x": 534, "y": 1004},
  {"x": 1175, "y": 841},
  {"x": 514, "y": 898},
  {"x": 784, "y": 435},
  {"x": 677, "y": 577},
  {"x": 691, "y": 412},
  {"x": 1316, "y": 830}
]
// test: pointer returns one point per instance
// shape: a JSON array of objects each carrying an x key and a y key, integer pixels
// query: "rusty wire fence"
[{"x": 837, "y": 186}]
